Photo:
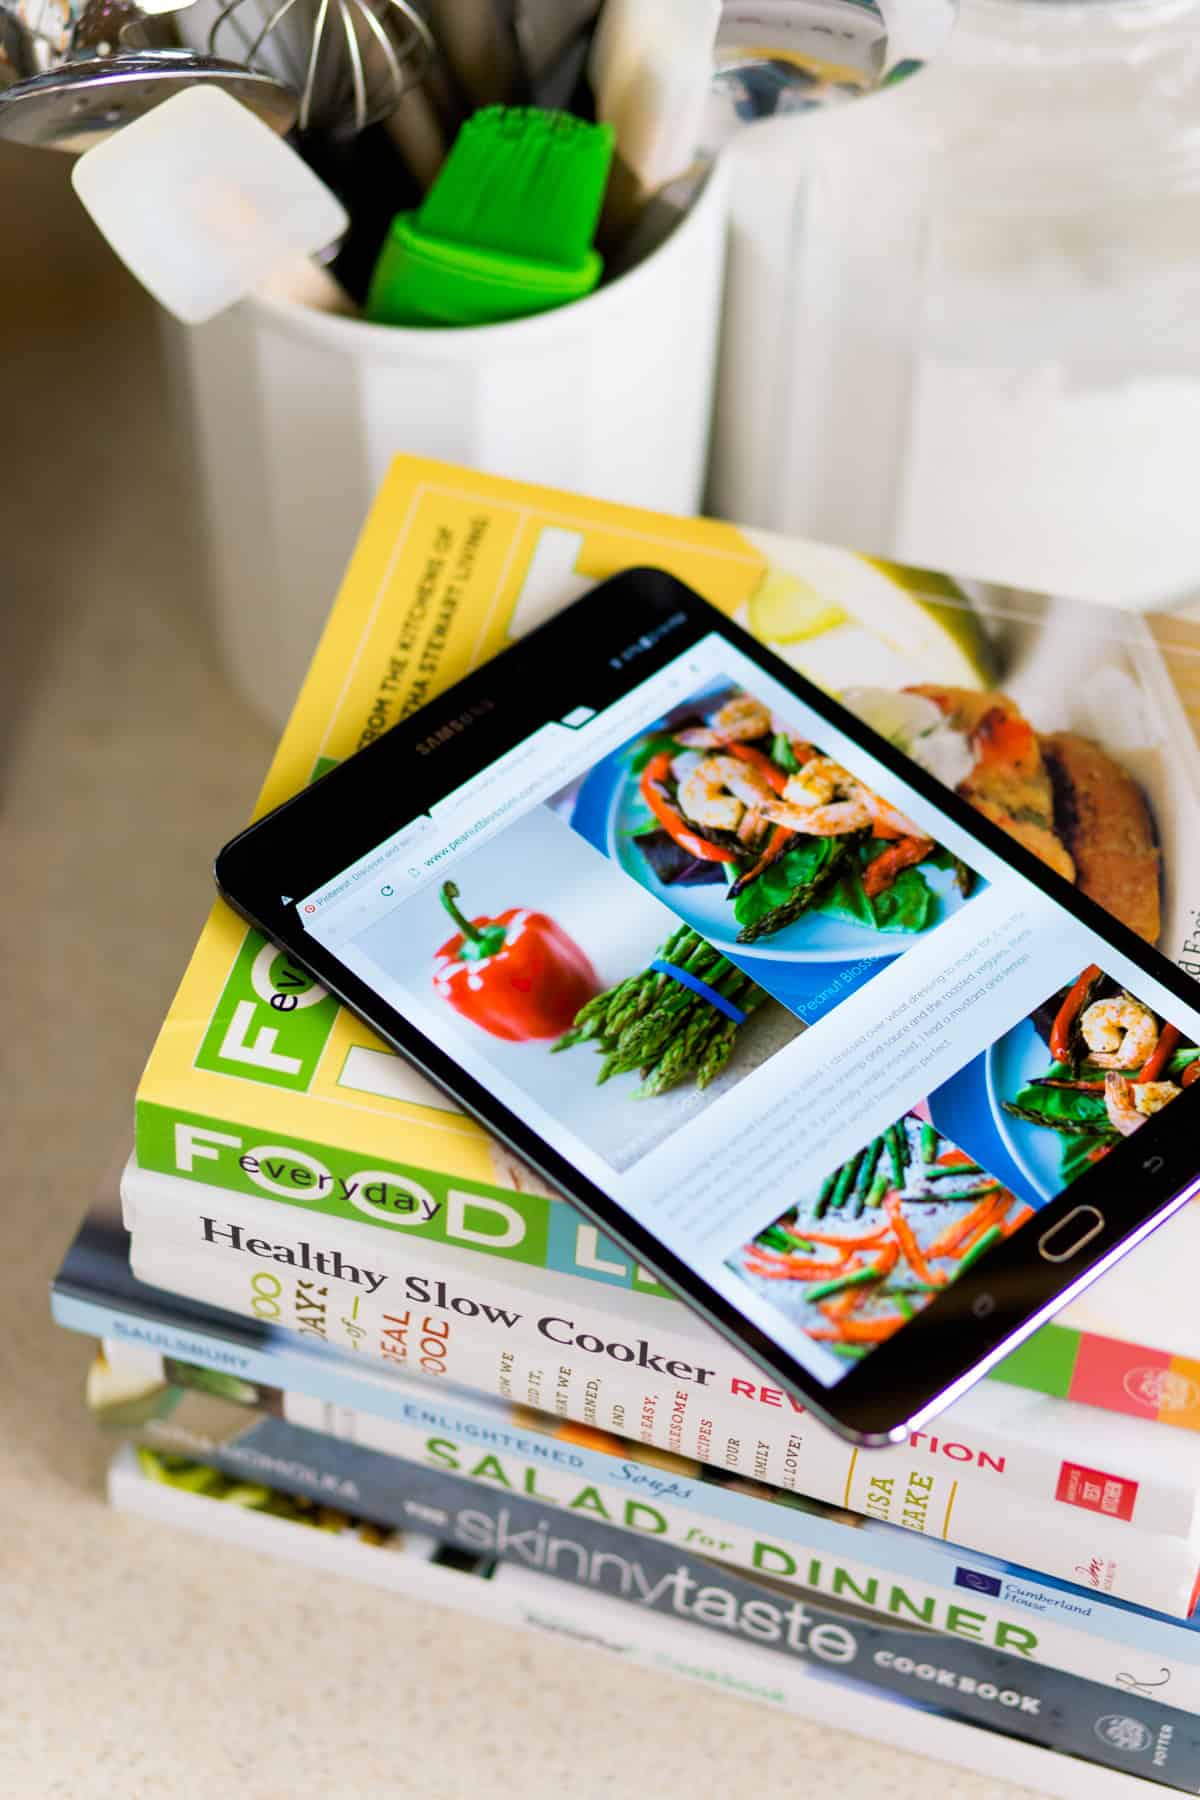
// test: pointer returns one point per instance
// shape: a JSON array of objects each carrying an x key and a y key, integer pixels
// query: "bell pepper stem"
[
  {"x": 476, "y": 943},
  {"x": 449, "y": 896}
]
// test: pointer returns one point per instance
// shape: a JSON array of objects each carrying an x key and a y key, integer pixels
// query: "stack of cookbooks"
[{"x": 341, "y": 1322}]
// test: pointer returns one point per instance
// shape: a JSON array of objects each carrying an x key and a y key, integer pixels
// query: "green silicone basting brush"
[{"x": 505, "y": 230}]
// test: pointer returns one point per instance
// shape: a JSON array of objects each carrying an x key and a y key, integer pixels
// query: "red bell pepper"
[{"x": 518, "y": 976}]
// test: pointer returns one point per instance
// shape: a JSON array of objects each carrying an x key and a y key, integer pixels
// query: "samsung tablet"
[{"x": 841, "y": 1057}]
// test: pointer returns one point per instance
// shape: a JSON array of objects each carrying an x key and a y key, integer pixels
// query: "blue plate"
[{"x": 1012, "y": 1062}]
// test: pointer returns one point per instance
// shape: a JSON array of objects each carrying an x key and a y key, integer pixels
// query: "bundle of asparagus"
[{"x": 654, "y": 1023}]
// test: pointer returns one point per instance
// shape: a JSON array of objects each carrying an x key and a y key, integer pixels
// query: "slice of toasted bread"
[{"x": 1102, "y": 817}]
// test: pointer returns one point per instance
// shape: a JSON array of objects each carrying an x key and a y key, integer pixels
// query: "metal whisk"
[{"x": 350, "y": 66}]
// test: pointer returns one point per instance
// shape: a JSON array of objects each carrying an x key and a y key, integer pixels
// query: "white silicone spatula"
[{"x": 203, "y": 203}]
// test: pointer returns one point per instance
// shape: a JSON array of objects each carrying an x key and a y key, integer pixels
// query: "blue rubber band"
[{"x": 702, "y": 988}]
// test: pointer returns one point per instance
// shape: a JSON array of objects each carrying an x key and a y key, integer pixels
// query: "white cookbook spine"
[{"x": 563, "y": 1360}]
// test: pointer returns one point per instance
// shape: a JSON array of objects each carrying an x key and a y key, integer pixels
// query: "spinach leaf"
[
  {"x": 1062, "y": 1109},
  {"x": 905, "y": 906},
  {"x": 1077, "y": 1153},
  {"x": 908, "y": 905},
  {"x": 788, "y": 885},
  {"x": 649, "y": 748}
]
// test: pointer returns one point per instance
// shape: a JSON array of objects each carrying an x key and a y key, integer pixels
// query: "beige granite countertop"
[{"x": 134, "y": 1662}]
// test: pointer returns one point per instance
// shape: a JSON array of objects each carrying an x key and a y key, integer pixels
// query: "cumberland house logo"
[
  {"x": 1122, "y": 1732},
  {"x": 1162, "y": 1389}
]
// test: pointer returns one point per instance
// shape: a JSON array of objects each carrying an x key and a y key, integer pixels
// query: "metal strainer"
[{"x": 71, "y": 77}]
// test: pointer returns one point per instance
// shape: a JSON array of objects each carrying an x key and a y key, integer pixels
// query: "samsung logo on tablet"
[{"x": 451, "y": 728}]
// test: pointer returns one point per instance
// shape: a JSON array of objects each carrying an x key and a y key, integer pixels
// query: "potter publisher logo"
[
  {"x": 1123, "y": 1733},
  {"x": 1162, "y": 1389}
]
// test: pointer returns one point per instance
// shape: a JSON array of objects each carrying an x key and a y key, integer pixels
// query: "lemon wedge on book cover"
[
  {"x": 126, "y": 1396},
  {"x": 841, "y": 618}
]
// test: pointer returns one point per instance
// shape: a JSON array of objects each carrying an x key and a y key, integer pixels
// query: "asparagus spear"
[
  {"x": 657, "y": 1025},
  {"x": 799, "y": 900}
]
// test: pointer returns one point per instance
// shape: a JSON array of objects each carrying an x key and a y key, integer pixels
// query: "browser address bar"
[
  {"x": 413, "y": 858},
  {"x": 533, "y": 771}
]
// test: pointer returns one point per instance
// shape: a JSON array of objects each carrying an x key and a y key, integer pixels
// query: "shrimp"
[
  {"x": 739, "y": 721},
  {"x": 752, "y": 827},
  {"x": 1120, "y": 1033},
  {"x": 1130, "y": 1103},
  {"x": 716, "y": 791},
  {"x": 825, "y": 800}
]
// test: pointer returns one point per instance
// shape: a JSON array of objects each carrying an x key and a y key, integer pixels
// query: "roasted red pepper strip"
[
  {"x": 983, "y": 1227},
  {"x": 910, "y": 1249},
  {"x": 859, "y": 1331},
  {"x": 905, "y": 853},
  {"x": 1161, "y": 1054},
  {"x": 777, "y": 843},
  {"x": 1068, "y": 1012},
  {"x": 790, "y": 1268},
  {"x": 847, "y": 1241},
  {"x": 770, "y": 771},
  {"x": 517, "y": 976},
  {"x": 671, "y": 819},
  {"x": 947, "y": 1242},
  {"x": 842, "y": 1305},
  {"x": 1190, "y": 1074},
  {"x": 790, "y": 1259}
]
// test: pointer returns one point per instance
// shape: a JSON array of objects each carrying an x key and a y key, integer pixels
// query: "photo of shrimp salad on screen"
[
  {"x": 760, "y": 840},
  {"x": 1085, "y": 1070},
  {"x": 871, "y": 1242}
]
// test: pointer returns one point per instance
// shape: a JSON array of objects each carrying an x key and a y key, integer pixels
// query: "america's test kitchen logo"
[{"x": 1096, "y": 1491}]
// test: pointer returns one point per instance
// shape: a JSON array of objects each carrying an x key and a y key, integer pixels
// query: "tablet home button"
[{"x": 1080, "y": 1226}]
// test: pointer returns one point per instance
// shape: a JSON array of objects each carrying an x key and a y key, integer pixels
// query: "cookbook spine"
[
  {"x": 485, "y": 1424},
  {"x": 968, "y": 1680},
  {"x": 717, "y": 1410},
  {"x": 370, "y": 1464},
  {"x": 1042, "y": 1448},
  {"x": 596, "y": 1622},
  {"x": 1118, "y": 1375}
]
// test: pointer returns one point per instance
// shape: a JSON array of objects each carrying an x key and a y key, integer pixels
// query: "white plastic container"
[
  {"x": 297, "y": 413},
  {"x": 961, "y": 327}
]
